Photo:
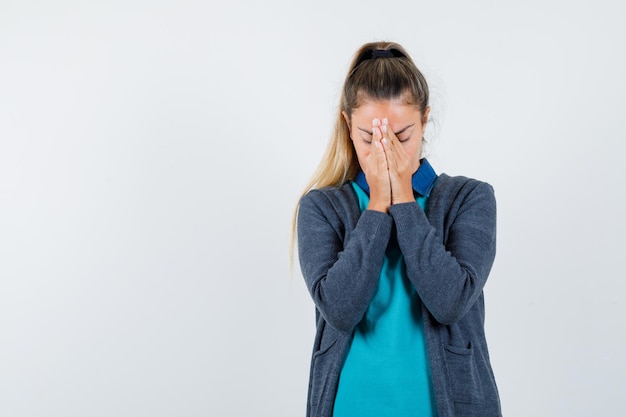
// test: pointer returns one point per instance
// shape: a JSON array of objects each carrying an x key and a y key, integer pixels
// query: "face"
[{"x": 405, "y": 121}]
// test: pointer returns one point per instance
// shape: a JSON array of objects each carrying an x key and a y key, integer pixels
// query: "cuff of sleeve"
[
  {"x": 407, "y": 217},
  {"x": 381, "y": 223}
]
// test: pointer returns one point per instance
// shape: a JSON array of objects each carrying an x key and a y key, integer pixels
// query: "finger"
[
  {"x": 389, "y": 134},
  {"x": 387, "y": 131},
  {"x": 375, "y": 140},
  {"x": 377, "y": 160},
  {"x": 388, "y": 144},
  {"x": 389, "y": 153},
  {"x": 376, "y": 132},
  {"x": 393, "y": 144},
  {"x": 381, "y": 159},
  {"x": 389, "y": 138},
  {"x": 394, "y": 151}
]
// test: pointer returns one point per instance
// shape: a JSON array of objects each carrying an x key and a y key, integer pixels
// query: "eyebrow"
[{"x": 369, "y": 132}]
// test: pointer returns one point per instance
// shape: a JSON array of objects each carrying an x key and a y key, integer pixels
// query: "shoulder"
[
  {"x": 453, "y": 195},
  {"x": 337, "y": 207},
  {"x": 453, "y": 188},
  {"x": 340, "y": 198}
]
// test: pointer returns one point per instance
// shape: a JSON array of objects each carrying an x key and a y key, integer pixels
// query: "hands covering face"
[{"x": 387, "y": 169}]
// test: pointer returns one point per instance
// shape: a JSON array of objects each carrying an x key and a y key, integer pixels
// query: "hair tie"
[
  {"x": 379, "y": 53},
  {"x": 382, "y": 53}
]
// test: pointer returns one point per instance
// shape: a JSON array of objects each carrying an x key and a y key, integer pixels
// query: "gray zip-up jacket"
[{"x": 448, "y": 255}]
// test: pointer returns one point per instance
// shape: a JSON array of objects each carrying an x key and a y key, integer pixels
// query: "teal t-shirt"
[{"x": 386, "y": 372}]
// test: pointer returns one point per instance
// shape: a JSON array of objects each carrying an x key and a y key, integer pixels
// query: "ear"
[
  {"x": 347, "y": 119},
  {"x": 425, "y": 117}
]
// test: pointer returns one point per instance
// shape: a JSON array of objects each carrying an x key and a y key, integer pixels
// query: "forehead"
[{"x": 395, "y": 110}]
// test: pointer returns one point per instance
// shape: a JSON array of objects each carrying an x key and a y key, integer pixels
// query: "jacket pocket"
[
  {"x": 463, "y": 375},
  {"x": 322, "y": 366},
  {"x": 324, "y": 348}
]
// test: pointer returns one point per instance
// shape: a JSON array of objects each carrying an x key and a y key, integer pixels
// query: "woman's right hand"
[{"x": 377, "y": 172}]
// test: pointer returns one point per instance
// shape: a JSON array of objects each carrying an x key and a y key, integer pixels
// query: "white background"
[{"x": 152, "y": 152}]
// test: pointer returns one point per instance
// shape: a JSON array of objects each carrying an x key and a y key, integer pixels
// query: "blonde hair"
[{"x": 369, "y": 78}]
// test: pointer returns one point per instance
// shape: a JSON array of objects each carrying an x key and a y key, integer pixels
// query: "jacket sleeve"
[
  {"x": 450, "y": 278},
  {"x": 342, "y": 277}
]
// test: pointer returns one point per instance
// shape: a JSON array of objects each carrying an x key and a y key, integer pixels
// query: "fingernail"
[
  {"x": 377, "y": 144},
  {"x": 375, "y": 122},
  {"x": 384, "y": 141},
  {"x": 384, "y": 128},
  {"x": 385, "y": 121}
]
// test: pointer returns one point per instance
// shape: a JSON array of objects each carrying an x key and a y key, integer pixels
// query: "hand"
[
  {"x": 377, "y": 172},
  {"x": 399, "y": 165}
]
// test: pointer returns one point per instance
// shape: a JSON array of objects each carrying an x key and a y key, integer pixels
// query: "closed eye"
[{"x": 366, "y": 136}]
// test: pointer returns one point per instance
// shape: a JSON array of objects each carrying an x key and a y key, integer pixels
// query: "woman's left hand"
[{"x": 399, "y": 164}]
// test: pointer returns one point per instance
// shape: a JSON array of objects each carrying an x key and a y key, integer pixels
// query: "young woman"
[{"x": 395, "y": 258}]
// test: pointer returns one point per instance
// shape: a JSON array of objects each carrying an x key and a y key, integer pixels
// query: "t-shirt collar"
[{"x": 423, "y": 180}]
